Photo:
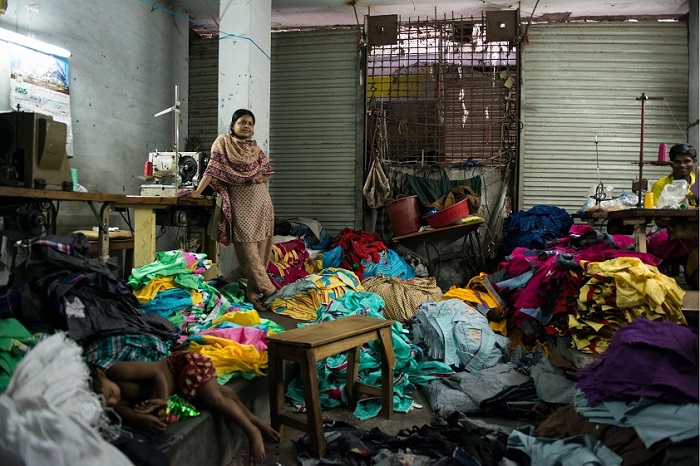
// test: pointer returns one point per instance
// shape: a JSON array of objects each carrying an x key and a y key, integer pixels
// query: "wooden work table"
[
  {"x": 144, "y": 208},
  {"x": 683, "y": 222}
]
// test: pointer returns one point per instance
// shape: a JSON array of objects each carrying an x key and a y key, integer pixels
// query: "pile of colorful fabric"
[
  {"x": 366, "y": 255},
  {"x": 288, "y": 262},
  {"x": 214, "y": 321},
  {"x": 301, "y": 299},
  {"x": 402, "y": 297},
  {"x": 636, "y": 404},
  {"x": 587, "y": 285}
]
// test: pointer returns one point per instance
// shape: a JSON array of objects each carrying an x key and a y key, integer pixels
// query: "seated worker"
[
  {"x": 137, "y": 390},
  {"x": 683, "y": 158},
  {"x": 661, "y": 242}
]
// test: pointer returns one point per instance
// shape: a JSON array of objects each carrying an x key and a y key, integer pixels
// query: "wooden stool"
[
  {"x": 309, "y": 344},
  {"x": 118, "y": 241}
]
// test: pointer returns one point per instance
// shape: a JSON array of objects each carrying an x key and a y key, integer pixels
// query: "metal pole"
[
  {"x": 643, "y": 98},
  {"x": 177, "y": 137}
]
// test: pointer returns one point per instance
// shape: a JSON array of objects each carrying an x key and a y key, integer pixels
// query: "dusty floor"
[{"x": 285, "y": 453}]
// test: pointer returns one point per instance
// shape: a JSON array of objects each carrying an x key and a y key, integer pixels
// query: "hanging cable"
[{"x": 205, "y": 26}]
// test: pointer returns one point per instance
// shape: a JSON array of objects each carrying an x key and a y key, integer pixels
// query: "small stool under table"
[{"x": 309, "y": 344}]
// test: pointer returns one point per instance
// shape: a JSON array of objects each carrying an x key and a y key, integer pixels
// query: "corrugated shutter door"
[
  {"x": 316, "y": 118},
  {"x": 202, "y": 117},
  {"x": 580, "y": 80}
]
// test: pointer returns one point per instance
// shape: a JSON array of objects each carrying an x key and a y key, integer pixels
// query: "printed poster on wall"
[{"x": 39, "y": 82}]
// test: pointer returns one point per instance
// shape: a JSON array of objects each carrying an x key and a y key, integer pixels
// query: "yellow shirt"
[{"x": 658, "y": 187}]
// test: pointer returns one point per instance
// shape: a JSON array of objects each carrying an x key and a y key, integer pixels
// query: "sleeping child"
[{"x": 137, "y": 390}]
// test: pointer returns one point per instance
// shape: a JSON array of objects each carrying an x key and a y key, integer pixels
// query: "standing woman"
[{"x": 238, "y": 170}]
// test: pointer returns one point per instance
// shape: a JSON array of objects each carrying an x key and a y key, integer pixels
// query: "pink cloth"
[{"x": 244, "y": 335}]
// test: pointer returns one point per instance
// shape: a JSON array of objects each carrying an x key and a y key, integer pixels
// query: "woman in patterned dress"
[{"x": 238, "y": 171}]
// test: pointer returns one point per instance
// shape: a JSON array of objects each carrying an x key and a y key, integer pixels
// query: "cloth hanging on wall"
[
  {"x": 376, "y": 189},
  {"x": 432, "y": 183}
]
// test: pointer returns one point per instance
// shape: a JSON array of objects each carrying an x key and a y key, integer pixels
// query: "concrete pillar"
[
  {"x": 244, "y": 63},
  {"x": 244, "y": 79}
]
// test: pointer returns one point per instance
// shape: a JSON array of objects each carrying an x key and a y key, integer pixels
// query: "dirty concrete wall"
[{"x": 126, "y": 60}]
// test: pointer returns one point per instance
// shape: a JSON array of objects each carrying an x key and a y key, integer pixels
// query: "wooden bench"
[
  {"x": 118, "y": 241},
  {"x": 309, "y": 344}
]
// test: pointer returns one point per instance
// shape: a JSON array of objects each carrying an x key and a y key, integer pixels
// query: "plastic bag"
[
  {"x": 672, "y": 195},
  {"x": 376, "y": 189}
]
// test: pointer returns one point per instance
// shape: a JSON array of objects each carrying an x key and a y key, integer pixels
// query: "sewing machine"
[{"x": 171, "y": 173}]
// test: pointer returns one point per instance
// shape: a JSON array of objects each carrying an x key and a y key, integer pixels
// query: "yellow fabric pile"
[
  {"x": 301, "y": 299},
  {"x": 617, "y": 292}
]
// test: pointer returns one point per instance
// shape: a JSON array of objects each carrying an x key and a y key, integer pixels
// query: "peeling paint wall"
[{"x": 126, "y": 60}]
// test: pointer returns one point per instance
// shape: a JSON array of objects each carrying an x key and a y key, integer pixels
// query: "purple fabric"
[{"x": 646, "y": 358}]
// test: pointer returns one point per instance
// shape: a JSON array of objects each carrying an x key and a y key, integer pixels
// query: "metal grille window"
[{"x": 443, "y": 94}]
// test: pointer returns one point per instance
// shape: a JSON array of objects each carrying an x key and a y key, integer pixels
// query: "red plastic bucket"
[
  {"x": 404, "y": 215},
  {"x": 448, "y": 215}
]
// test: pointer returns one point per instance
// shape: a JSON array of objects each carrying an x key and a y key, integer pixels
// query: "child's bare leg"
[
  {"x": 266, "y": 429},
  {"x": 211, "y": 395}
]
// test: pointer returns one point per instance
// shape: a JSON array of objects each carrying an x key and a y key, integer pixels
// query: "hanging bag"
[{"x": 376, "y": 189}]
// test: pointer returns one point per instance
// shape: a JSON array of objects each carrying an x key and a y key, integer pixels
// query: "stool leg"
[
  {"x": 313, "y": 405},
  {"x": 351, "y": 377},
  {"x": 276, "y": 381},
  {"x": 388, "y": 362}
]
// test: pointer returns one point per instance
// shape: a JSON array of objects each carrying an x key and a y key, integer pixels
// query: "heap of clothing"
[
  {"x": 586, "y": 285},
  {"x": 636, "y": 404},
  {"x": 305, "y": 284},
  {"x": 457, "y": 440},
  {"x": 49, "y": 413},
  {"x": 58, "y": 288},
  {"x": 213, "y": 319}
]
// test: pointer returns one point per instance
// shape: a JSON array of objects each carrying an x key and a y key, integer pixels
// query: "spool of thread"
[
  {"x": 74, "y": 178},
  {"x": 648, "y": 200},
  {"x": 662, "y": 153},
  {"x": 148, "y": 168}
]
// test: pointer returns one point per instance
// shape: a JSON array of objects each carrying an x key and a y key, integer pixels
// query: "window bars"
[{"x": 443, "y": 94}]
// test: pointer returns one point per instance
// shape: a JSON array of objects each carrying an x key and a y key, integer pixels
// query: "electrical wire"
[{"x": 206, "y": 26}]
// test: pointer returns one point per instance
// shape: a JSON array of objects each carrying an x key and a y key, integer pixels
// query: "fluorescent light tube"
[{"x": 35, "y": 44}]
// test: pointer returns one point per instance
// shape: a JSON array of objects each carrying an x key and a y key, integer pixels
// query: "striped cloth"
[
  {"x": 107, "y": 351},
  {"x": 402, "y": 297}
]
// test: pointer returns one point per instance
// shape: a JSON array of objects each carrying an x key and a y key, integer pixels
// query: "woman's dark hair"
[
  {"x": 241, "y": 112},
  {"x": 682, "y": 149}
]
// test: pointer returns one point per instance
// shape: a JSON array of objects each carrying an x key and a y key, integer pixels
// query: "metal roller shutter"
[
  {"x": 202, "y": 117},
  {"x": 316, "y": 127},
  {"x": 583, "y": 80}
]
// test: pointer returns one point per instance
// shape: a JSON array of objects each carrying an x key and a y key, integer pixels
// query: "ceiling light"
[{"x": 35, "y": 44}]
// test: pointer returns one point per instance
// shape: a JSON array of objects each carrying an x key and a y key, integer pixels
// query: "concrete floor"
[{"x": 285, "y": 453}]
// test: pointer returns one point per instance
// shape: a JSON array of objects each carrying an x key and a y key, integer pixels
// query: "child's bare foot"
[
  {"x": 257, "y": 448},
  {"x": 268, "y": 433}
]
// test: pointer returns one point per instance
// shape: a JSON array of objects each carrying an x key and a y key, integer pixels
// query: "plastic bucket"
[
  {"x": 448, "y": 215},
  {"x": 404, "y": 215}
]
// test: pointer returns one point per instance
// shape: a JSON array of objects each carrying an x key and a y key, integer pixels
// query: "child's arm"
[
  {"x": 141, "y": 372},
  {"x": 146, "y": 422}
]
